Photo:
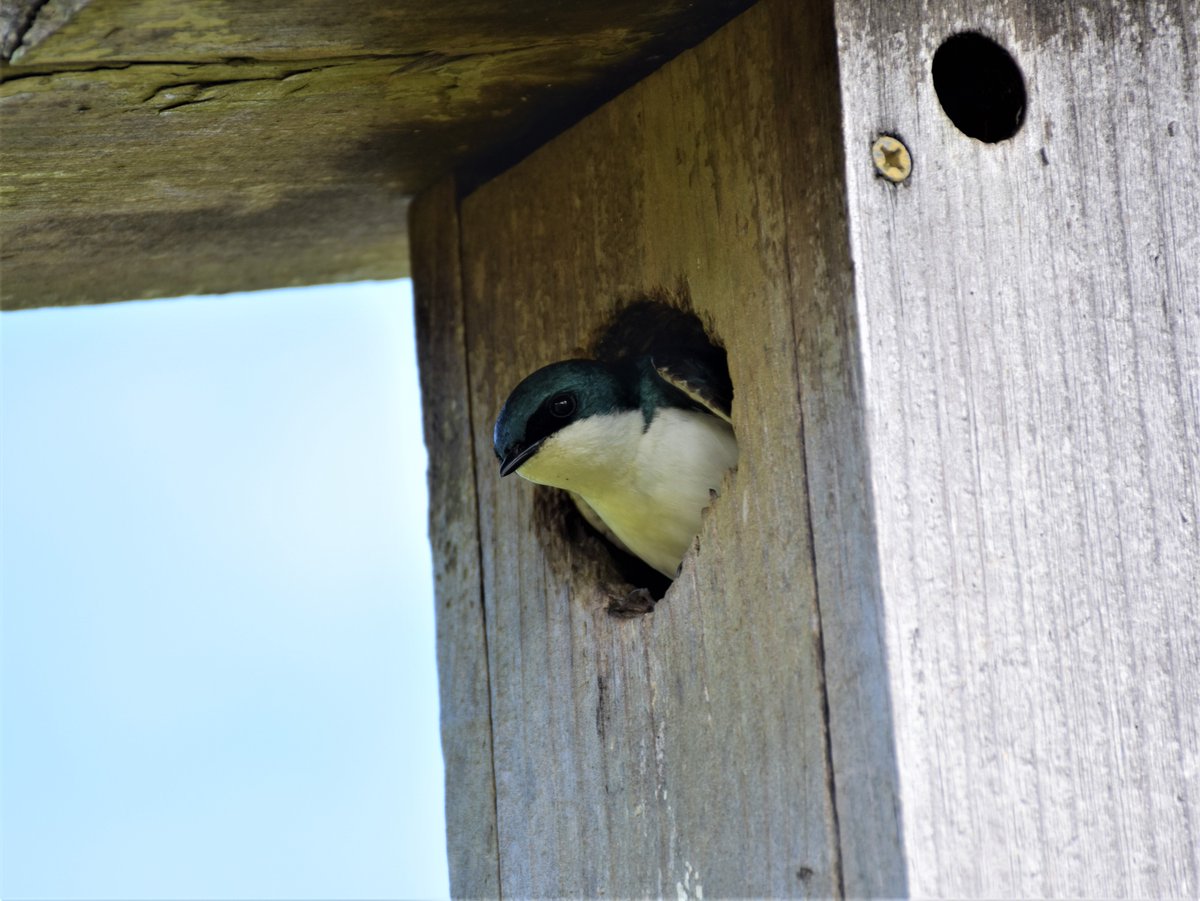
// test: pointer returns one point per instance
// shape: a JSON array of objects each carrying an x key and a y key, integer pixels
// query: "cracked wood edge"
[
  {"x": 155, "y": 148},
  {"x": 463, "y": 675},
  {"x": 26, "y": 23}
]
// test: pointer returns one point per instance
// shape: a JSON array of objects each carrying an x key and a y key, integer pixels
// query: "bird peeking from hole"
[{"x": 640, "y": 437}]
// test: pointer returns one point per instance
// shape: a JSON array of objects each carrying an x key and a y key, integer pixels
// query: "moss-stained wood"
[
  {"x": 687, "y": 752},
  {"x": 66, "y": 31},
  {"x": 156, "y": 147},
  {"x": 1030, "y": 318}
]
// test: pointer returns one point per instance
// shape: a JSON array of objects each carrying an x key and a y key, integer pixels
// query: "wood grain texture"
[
  {"x": 182, "y": 31},
  {"x": 1030, "y": 321},
  {"x": 942, "y": 634},
  {"x": 686, "y": 752},
  {"x": 161, "y": 147},
  {"x": 454, "y": 531}
]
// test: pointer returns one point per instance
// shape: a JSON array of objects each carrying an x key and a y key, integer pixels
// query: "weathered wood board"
[
  {"x": 161, "y": 147},
  {"x": 454, "y": 531},
  {"x": 942, "y": 632},
  {"x": 686, "y": 752},
  {"x": 1030, "y": 322}
]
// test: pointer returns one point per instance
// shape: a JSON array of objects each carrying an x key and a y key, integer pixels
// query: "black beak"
[{"x": 518, "y": 455}]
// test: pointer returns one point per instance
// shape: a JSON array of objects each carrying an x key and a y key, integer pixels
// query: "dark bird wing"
[
  {"x": 703, "y": 378},
  {"x": 679, "y": 350}
]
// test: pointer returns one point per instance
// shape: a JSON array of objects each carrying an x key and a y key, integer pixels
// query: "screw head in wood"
[{"x": 891, "y": 158}]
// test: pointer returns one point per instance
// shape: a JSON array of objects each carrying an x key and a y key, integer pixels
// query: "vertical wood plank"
[
  {"x": 997, "y": 420},
  {"x": 1030, "y": 321},
  {"x": 838, "y": 459},
  {"x": 454, "y": 535},
  {"x": 687, "y": 752}
]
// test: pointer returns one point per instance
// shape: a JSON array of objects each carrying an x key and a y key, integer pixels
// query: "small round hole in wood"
[{"x": 980, "y": 87}]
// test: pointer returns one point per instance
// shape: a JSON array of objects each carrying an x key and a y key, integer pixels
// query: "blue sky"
[{"x": 217, "y": 615}]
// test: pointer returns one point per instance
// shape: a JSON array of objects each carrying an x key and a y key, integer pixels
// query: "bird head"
[{"x": 550, "y": 400}]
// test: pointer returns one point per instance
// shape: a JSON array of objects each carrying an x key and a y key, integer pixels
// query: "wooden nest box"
[{"x": 940, "y": 635}]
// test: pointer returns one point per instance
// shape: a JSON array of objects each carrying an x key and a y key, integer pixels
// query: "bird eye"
[{"x": 562, "y": 405}]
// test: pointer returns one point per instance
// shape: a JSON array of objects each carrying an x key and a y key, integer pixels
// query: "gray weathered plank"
[
  {"x": 26, "y": 23},
  {"x": 995, "y": 426},
  {"x": 685, "y": 752},
  {"x": 838, "y": 459},
  {"x": 462, "y": 642},
  {"x": 1030, "y": 323}
]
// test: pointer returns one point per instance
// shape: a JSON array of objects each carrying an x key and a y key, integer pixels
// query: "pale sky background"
[{"x": 217, "y": 617}]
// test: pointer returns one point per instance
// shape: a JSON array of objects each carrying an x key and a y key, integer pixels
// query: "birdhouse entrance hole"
[
  {"x": 654, "y": 326},
  {"x": 980, "y": 87}
]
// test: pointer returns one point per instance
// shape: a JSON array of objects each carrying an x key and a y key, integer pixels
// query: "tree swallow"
[{"x": 641, "y": 442}]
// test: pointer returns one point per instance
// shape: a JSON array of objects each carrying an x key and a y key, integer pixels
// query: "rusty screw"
[{"x": 891, "y": 159}]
